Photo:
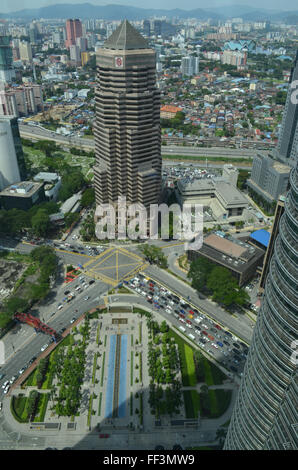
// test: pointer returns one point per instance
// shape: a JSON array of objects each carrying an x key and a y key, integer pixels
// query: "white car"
[
  {"x": 171, "y": 302},
  {"x": 6, "y": 389},
  {"x": 214, "y": 345},
  {"x": 60, "y": 306},
  {"x": 205, "y": 326},
  {"x": 143, "y": 293},
  {"x": 44, "y": 347},
  {"x": 138, "y": 290},
  {"x": 5, "y": 384},
  {"x": 168, "y": 311},
  {"x": 12, "y": 380},
  {"x": 86, "y": 298}
]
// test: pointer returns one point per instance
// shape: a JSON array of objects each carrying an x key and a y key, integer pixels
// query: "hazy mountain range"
[{"x": 117, "y": 12}]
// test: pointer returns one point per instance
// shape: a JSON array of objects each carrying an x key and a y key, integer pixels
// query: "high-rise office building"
[
  {"x": 127, "y": 131},
  {"x": 146, "y": 27},
  {"x": 12, "y": 162},
  {"x": 266, "y": 413},
  {"x": 7, "y": 72},
  {"x": 25, "y": 51},
  {"x": 75, "y": 54},
  {"x": 190, "y": 66},
  {"x": 288, "y": 141},
  {"x": 73, "y": 31}
]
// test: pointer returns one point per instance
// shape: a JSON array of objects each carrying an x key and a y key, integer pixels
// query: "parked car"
[{"x": 44, "y": 347}]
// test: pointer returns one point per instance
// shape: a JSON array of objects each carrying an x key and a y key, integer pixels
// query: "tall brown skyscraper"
[
  {"x": 127, "y": 131},
  {"x": 73, "y": 31}
]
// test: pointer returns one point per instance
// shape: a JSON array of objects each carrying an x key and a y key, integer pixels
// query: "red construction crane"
[{"x": 36, "y": 324}]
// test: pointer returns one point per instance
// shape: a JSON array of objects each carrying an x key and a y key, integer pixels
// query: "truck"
[{"x": 182, "y": 329}]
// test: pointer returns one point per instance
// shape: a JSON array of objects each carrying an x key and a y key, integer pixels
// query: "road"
[{"x": 37, "y": 133}]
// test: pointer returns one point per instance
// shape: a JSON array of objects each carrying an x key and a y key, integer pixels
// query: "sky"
[{"x": 14, "y": 5}]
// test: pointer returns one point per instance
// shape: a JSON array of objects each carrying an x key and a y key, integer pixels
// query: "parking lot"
[{"x": 208, "y": 335}]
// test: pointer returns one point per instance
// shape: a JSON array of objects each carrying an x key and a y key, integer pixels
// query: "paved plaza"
[{"x": 114, "y": 265}]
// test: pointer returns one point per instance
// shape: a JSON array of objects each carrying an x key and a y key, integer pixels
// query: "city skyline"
[{"x": 15, "y": 5}]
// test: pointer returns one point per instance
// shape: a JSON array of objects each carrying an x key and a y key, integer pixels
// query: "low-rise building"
[
  {"x": 52, "y": 184},
  {"x": 241, "y": 259},
  {"x": 22, "y": 195}
]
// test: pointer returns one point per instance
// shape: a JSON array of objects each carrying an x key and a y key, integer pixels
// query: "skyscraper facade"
[
  {"x": 266, "y": 413},
  {"x": 189, "y": 66},
  {"x": 288, "y": 141},
  {"x": 127, "y": 131},
  {"x": 7, "y": 72},
  {"x": 12, "y": 163},
  {"x": 73, "y": 31}
]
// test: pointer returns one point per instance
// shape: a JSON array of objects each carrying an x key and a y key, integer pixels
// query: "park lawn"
[
  {"x": 31, "y": 380},
  {"x": 41, "y": 407},
  {"x": 209, "y": 372},
  {"x": 18, "y": 407},
  {"x": 190, "y": 365},
  {"x": 213, "y": 403},
  {"x": 191, "y": 403},
  {"x": 187, "y": 362}
]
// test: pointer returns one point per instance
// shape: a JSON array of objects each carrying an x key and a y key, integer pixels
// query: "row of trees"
[
  {"x": 218, "y": 281},
  {"x": 268, "y": 207},
  {"x": 69, "y": 369},
  {"x": 154, "y": 254},
  {"x": 29, "y": 292}
]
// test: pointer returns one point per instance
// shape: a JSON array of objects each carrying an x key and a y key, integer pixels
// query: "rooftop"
[
  {"x": 126, "y": 37},
  {"x": 224, "y": 245},
  {"x": 261, "y": 236},
  {"x": 22, "y": 189}
]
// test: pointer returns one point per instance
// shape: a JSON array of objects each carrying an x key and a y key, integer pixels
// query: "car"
[
  {"x": 226, "y": 343},
  {"x": 213, "y": 329},
  {"x": 214, "y": 345},
  {"x": 218, "y": 327},
  {"x": 22, "y": 370},
  {"x": 32, "y": 360},
  {"x": 205, "y": 326},
  {"x": 1, "y": 376},
  {"x": 205, "y": 333},
  {"x": 12, "y": 380},
  {"x": 191, "y": 312},
  {"x": 60, "y": 306},
  {"x": 168, "y": 311},
  {"x": 86, "y": 298},
  {"x": 72, "y": 320},
  {"x": 66, "y": 292},
  {"x": 6, "y": 389},
  {"x": 228, "y": 333},
  {"x": 220, "y": 344},
  {"x": 91, "y": 282},
  {"x": 5, "y": 384},
  {"x": 234, "y": 369},
  {"x": 0, "y": 405},
  {"x": 236, "y": 345},
  {"x": 197, "y": 328},
  {"x": 44, "y": 347}
]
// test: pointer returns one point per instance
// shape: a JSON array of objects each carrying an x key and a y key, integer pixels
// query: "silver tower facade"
[{"x": 266, "y": 411}]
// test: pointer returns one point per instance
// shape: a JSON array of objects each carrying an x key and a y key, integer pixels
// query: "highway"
[{"x": 36, "y": 133}]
